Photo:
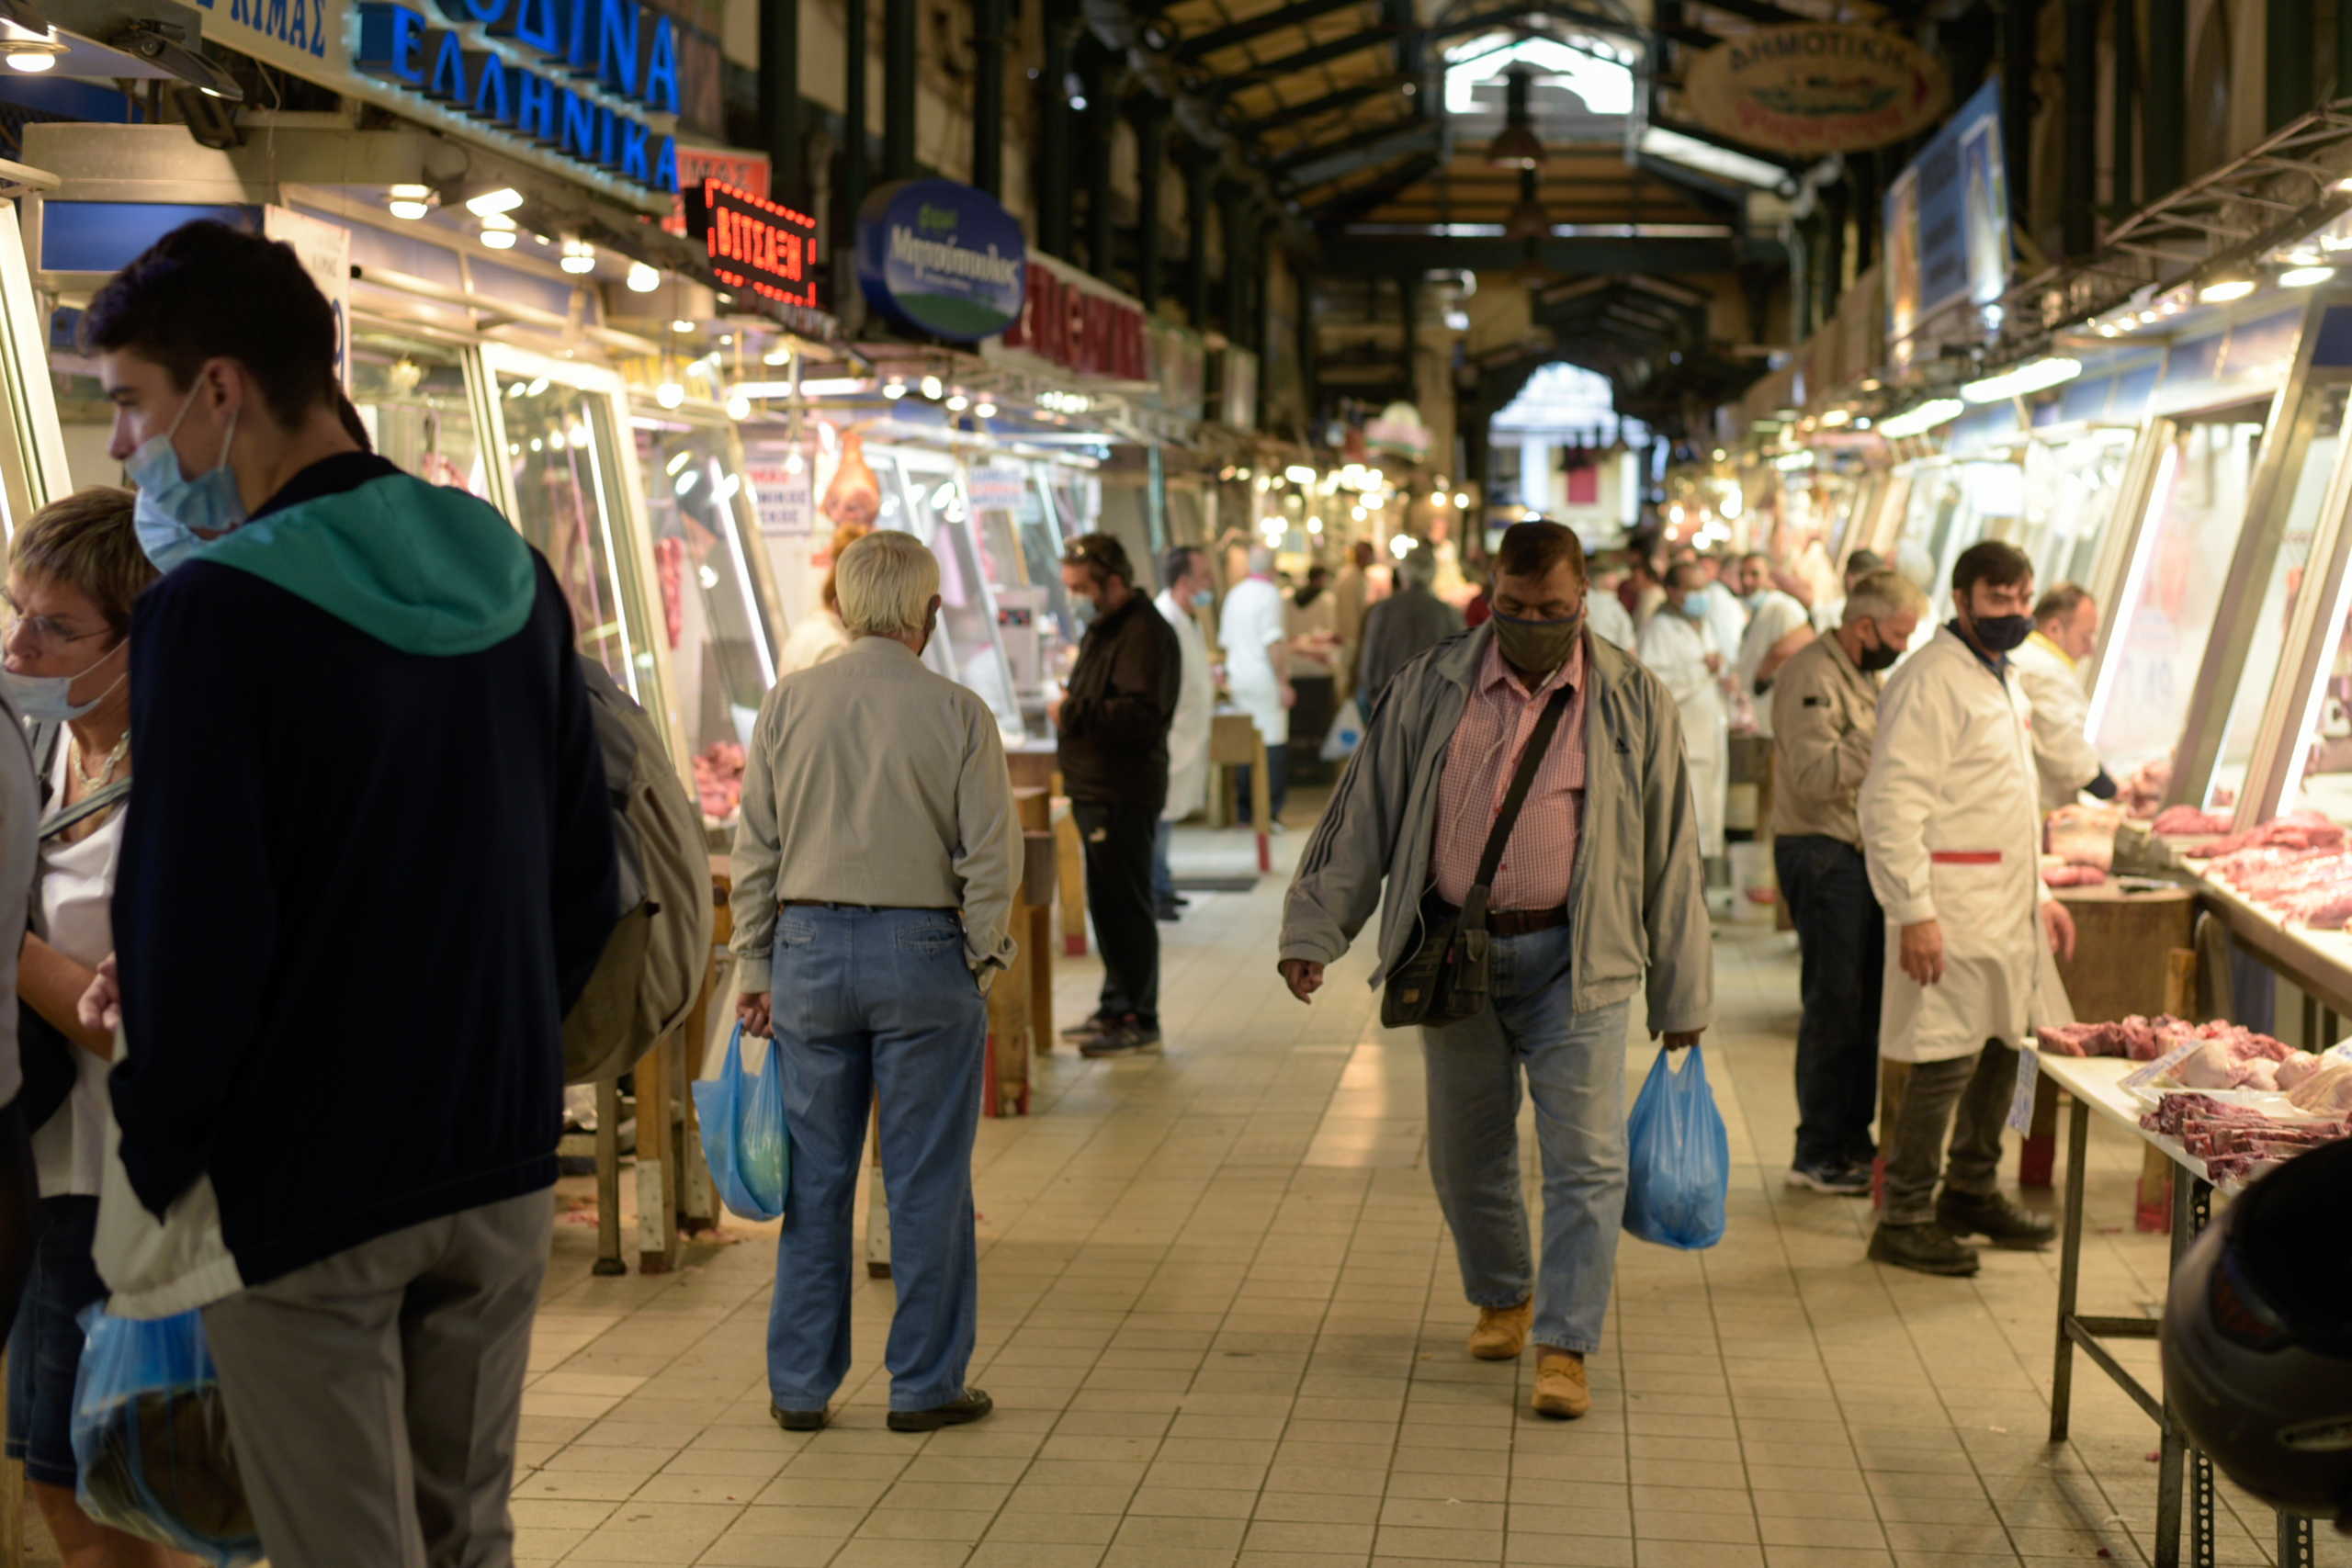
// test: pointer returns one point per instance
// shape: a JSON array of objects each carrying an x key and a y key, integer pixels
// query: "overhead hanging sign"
[
  {"x": 745, "y": 171},
  {"x": 324, "y": 251},
  {"x": 1948, "y": 229},
  {"x": 1073, "y": 320},
  {"x": 755, "y": 244},
  {"x": 1399, "y": 432},
  {"x": 1812, "y": 88},
  {"x": 587, "y": 79},
  {"x": 942, "y": 258}
]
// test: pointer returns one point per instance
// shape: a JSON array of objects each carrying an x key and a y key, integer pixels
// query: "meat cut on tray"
[
  {"x": 2146, "y": 1039},
  {"x": 2295, "y": 830},
  {"x": 2236, "y": 1142},
  {"x": 2073, "y": 876},
  {"x": 2188, "y": 822}
]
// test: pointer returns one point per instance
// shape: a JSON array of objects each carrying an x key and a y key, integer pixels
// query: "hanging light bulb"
[
  {"x": 670, "y": 394},
  {"x": 739, "y": 408},
  {"x": 1517, "y": 147},
  {"x": 931, "y": 386},
  {"x": 985, "y": 408},
  {"x": 894, "y": 391},
  {"x": 957, "y": 403},
  {"x": 642, "y": 279}
]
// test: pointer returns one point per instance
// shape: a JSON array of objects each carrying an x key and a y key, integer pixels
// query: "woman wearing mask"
[{"x": 72, "y": 575}]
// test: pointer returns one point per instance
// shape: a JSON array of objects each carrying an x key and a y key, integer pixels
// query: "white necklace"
[{"x": 104, "y": 775}]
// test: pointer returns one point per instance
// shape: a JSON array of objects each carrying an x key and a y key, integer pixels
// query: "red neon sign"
[{"x": 755, "y": 244}]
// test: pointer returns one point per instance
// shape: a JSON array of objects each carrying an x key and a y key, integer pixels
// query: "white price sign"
[{"x": 787, "y": 504}]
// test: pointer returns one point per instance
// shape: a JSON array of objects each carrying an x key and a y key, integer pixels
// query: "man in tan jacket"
[{"x": 1825, "y": 717}]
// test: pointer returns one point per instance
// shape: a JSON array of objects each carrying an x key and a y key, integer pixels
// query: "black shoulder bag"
[{"x": 1446, "y": 979}]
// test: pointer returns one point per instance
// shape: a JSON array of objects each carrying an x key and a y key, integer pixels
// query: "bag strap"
[
  {"x": 1473, "y": 906},
  {"x": 82, "y": 810}
]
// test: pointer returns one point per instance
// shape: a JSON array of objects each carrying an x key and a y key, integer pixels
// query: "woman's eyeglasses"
[{"x": 45, "y": 629}]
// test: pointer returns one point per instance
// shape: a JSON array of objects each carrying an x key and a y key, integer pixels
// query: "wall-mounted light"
[
  {"x": 169, "y": 46},
  {"x": 407, "y": 201},
  {"x": 578, "y": 257},
  {"x": 2222, "y": 293},
  {"x": 985, "y": 408},
  {"x": 498, "y": 232},
  {"x": 642, "y": 279},
  {"x": 491, "y": 203},
  {"x": 32, "y": 55}
]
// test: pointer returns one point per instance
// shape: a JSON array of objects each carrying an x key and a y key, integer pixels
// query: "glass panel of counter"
[
  {"x": 2172, "y": 590},
  {"x": 938, "y": 512},
  {"x": 724, "y": 630},
  {"x": 2072, "y": 486},
  {"x": 411, "y": 393}
]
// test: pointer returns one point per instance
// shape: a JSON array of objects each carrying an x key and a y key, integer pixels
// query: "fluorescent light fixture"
[
  {"x": 499, "y": 239},
  {"x": 2304, "y": 277},
  {"x": 1299, "y": 474},
  {"x": 407, "y": 201},
  {"x": 1790, "y": 462},
  {"x": 642, "y": 279},
  {"x": 578, "y": 257},
  {"x": 1710, "y": 159},
  {"x": 985, "y": 408},
  {"x": 1915, "y": 420},
  {"x": 2222, "y": 293},
  {"x": 2019, "y": 382},
  {"x": 489, "y": 203}
]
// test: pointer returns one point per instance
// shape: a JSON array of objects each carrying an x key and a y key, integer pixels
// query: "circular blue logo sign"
[{"x": 942, "y": 258}]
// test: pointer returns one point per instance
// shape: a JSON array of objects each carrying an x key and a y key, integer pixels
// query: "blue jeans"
[
  {"x": 1575, "y": 1064},
  {"x": 877, "y": 1005}
]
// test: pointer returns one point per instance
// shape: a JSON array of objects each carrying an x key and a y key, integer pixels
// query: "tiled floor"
[{"x": 1220, "y": 1321}]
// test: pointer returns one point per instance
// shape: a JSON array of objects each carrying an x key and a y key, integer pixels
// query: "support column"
[
  {"x": 1101, "y": 124},
  {"x": 1261, "y": 309},
  {"x": 1307, "y": 346},
  {"x": 779, "y": 81},
  {"x": 990, "y": 23},
  {"x": 2289, "y": 28},
  {"x": 1056, "y": 130},
  {"x": 2079, "y": 198},
  {"x": 1409, "y": 298},
  {"x": 1833, "y": 250},
  {"x": 2165, "y": 123},
  {"x": 1862, "y": 169},
  {"x": 1151, "y": 155},
  {"x": 898, "y": 24},
  {"x": 1236, "y": 266},
  {"x": 1199, "y": 166},
  {"x": 855, "y": 122},
  {"x": 2124, "y": 191},
  {"x": 2343, "y": 50},
  {"x": 2019, "y": 42}
]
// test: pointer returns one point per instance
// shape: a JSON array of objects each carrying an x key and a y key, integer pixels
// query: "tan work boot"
[
  {"x": 1501, "y": 1333},
  {"x": 1561, "y": 1390}
]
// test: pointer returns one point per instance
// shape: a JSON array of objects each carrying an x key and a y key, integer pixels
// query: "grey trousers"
[
  {"x": 373, "y": 1395},
  {"x": 1980, "y": 1086}
]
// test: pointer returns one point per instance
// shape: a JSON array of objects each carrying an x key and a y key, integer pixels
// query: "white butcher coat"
[
  {"x": 1676, "y": 648},
  {"x": 2061, "y": 709},
  {"x": 1188, "y": 736},
  {"x": 1607, "y": 618},
  {"x": 1953, "y": 832},
  {"x": 1250, "y": 624},
  {"x": 1774, "y": 616}
]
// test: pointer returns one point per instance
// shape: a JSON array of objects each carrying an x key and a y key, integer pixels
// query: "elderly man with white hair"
[{"x": 875, "y": 865}]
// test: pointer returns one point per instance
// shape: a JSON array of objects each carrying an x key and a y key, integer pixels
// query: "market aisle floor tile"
[{"x": 1221, "y": 1323}]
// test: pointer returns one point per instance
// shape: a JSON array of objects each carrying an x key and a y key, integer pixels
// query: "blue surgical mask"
[
  {"x": 174, "y": 515},
  {"x": 48, "y": 699},
  {"x": 1694, "y": 607}
]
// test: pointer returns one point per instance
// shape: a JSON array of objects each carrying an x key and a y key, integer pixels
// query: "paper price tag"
[
  {"x": 2021, "y": 1102},
  {"x": 2145, "y": 1075}
]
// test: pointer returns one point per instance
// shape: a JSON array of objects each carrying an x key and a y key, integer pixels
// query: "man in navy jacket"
[{"x": 371, "y": 866}]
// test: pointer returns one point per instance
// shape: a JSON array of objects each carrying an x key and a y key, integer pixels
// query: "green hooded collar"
[{"x": 424, "y": 569}]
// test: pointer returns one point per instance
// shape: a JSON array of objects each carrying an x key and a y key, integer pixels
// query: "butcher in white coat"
[
  {"x": 2050, "y": 668},
  {"x": 1678, "y": 647},
  {"x": 1778, "y": 630},
  {"x": 1953, "y": 833},
  {"x": 1251, "y": 631},
  {"x": 1185, "y": 573}
]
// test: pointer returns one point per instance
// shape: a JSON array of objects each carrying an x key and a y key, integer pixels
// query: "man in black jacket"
[
  {"x": 1113, "y": 723},
  {"x": 372, "y": 866}
]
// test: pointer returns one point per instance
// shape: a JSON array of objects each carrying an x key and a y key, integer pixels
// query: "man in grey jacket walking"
[{"x": 1599, "y": 894}]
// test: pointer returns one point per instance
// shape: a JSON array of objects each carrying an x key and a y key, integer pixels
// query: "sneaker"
[
  {"x": 1094, "y": 1026},
  {"x": 1501, "y": 1333},
  {"x": 1839, "y": 1181},
  {"x": 969, "y": 1406},
  {"x": 1168, "y": 914},
  {"x": 1127, "y": 1038},
  {"x": 797, "y": 1420},
  {"x": 1561, "y": 1390},
  {"x": 1925, "y": 1249},
  {"x": 1994, "y": 1217}
]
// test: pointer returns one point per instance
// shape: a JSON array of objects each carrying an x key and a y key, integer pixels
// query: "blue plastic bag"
[
  {"x": 743, "y": 1137},
  {"x": 150, "y": 1438},
  {"x": 1679, "y": 1165}
]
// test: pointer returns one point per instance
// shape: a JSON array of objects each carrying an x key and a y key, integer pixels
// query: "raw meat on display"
[
  {"x": 2327, "y": 1092},
  {"x": 2295, "y": 830},
  {"x": 2299, "y": 1069},
  {"x": 2073, "y": 876},
  {"x": 2145, "y": 790},
  {"x": 2188, "y": 822},
  {"x": 2145, "y": 1039},
  {"x": 2084, "y": 835}
]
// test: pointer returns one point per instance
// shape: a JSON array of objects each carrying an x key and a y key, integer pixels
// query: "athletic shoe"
[{"x": 1847, "y": 1182}]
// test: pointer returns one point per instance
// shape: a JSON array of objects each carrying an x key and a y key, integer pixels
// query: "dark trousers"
[
  {"x": 1119, "y": 841},
  {"x": 1163, "y": 879},
  {"x": 1842, "y": 933},
  {"x": 1277, "y": 781},
  {"x": 1979, "y": 1089}
]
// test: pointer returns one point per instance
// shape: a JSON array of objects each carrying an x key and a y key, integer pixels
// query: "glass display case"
[
  {"x": 2071, "y": 485},
  {"x": 725, "y": 629},
  {"x": 937, "y": 508},
  {"x": 2163, "y": 612},
  {"x": 413, "y": 396}
]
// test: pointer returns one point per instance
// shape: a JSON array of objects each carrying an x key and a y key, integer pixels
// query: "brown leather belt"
[
  {"x": 864, "y": 909},
  {"x": 1516, "y": 922}
]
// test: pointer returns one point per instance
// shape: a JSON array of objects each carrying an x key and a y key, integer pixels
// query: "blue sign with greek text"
[{"x": 942, "y": 258}]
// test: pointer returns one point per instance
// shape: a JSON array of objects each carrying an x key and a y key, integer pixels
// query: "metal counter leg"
[
  {"x": 2070, "y": 1268},
  {"x": 2294, "y": 1541}
]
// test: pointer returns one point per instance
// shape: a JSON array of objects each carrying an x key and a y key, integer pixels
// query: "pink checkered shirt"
[{"x": 1541, "y": 854}]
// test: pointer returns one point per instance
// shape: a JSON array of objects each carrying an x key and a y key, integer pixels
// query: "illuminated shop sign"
[
  {"x": 942, "y": 258},
  {"x": 1074, "y": 320},
  {"x": 755, "y": 244},
  {"x": 572, "y": 76}
]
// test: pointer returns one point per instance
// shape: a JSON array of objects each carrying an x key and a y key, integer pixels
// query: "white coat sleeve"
[
  {"x": 2061, "y": 711},
  {"x": 1901, "y": 793},
  {"x": 1669, "y": 656}
]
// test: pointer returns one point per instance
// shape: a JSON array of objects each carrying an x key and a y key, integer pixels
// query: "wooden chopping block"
[
  {"x": 2152, "y": 1213},
  {"x": 2121, "y": 966}
]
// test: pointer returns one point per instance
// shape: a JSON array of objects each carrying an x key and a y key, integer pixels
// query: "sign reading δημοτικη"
[{"x": 942, "y": 258}]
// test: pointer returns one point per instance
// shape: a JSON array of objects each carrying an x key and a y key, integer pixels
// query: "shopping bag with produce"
[
  {"x": 150, "y": 1438},
  {"x": 1679, "y": 1158},
  {"x": 743, "y": 1137}
]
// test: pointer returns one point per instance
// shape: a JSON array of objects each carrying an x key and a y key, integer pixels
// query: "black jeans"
[
  {"x": 1843, "y": 933},
  {"x": 1118, "y": 840}
]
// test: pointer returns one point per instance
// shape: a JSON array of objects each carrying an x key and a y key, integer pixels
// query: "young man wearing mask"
[
  {"x": 1953, "y": 831},
  {"x": 1679, "y": 645},
  {"x": 2050, "y": 667},
  {"x": 1599, "y": 887},
  {"x": 1113, "y": 723},
  {"x": 372, "y": 803},
  {"x": 1825, "y": 719},
  {"x": 1777, "y": 628},
  {"x": 1185, "y": 570}
]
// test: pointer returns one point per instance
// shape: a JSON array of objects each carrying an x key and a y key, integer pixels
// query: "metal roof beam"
[
  {"x": 1315, "y": 108},
  {"x": 1396, "y": 254},
  {"x": 1192, "y": 51},
  {"x": 1357, "y": 201},
  {"x": 1321, "y": 165},
  {"x": 1304, "y": 59},
  {"x": 1524, "y": 13}
]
